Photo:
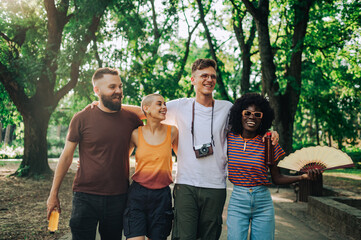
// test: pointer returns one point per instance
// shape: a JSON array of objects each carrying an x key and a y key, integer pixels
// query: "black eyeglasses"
[{"x": 248, "y": 113}]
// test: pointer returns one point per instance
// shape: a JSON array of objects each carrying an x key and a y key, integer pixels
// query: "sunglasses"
[{"x": 247, "y": 113}]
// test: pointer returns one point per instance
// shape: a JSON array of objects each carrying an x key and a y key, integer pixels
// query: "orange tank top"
[{"x": 153, "y": 168}]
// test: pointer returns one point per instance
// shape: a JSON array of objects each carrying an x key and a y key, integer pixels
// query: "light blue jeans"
[{"x": 250, "y": 207}]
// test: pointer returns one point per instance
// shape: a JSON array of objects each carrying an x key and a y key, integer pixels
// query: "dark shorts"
[
  {"x": 148, "y": 213},
  {"x": 89, "y": 210}
]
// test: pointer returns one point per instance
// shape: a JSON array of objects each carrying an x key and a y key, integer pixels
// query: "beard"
[{"x": 108, "y": 103}]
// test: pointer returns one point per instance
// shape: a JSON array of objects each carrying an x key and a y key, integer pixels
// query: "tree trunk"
[
  {"x": 12, "y": 133},
  {"x": 221, "y": 86},
  {"x": 246, "y": 67},
  {"x": 339, "y": 142},
  {"x": 35, "y": 159},
  {"x": 58, "y": 131},
  {"x": 284, "y": 105},
  {"x": 37, "y": 109},
  {"x": 157, "y": 34},
  {"x": 7, "y": 135},
  {"x": 284, "y": 118},
  {"x": 245, "y": 46},
  {"x": 1, "y": 132},
  {"x": 186, "y": 53},
  {"x": 279, "y": 103},
  {"x": 317, "y": 130}
]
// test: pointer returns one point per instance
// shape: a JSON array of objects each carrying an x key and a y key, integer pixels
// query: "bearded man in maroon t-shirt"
[{"x": 101, "y": 181}]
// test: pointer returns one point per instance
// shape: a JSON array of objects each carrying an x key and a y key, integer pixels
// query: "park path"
[{"x": 292, "y": 220}]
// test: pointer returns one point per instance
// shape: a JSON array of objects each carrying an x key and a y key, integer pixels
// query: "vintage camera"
[{"x": 203, "y": 150}]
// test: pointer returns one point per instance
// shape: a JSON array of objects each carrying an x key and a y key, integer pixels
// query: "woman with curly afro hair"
[{"x": 251, "y": 205}]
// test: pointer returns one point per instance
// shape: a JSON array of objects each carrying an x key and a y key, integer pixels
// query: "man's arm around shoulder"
[
  {"x": 134, "y": 109},
  {"x": 62, "y": 168}
]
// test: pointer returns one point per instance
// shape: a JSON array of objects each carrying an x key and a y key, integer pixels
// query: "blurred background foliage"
[{"x": 153, "y": 44}]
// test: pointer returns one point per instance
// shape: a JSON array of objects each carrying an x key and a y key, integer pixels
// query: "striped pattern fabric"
[{"x": 246, "y": 160}]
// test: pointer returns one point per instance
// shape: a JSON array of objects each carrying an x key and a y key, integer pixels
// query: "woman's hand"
[
  {"x": 312, "y": 174},
  {"x": 92, "y": 105},
  {"x": 274, "y": 138}
]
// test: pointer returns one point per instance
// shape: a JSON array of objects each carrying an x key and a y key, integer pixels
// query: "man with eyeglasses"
[{"x": 200, "y": 184}]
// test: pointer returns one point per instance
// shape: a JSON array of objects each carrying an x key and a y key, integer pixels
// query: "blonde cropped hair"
[{"x": 147, "y": 100}]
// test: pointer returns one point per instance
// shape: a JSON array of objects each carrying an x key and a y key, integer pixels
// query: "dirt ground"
[
  {"x": 23, "y": 203},
  {"x": 23, "y": 206}
]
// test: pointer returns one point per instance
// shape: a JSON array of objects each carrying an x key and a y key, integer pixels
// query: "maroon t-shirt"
[{"x": 103, "y": 150}]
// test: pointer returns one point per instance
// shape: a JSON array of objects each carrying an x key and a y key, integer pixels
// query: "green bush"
[
  {"x": 55, "y": 144},
  {"x": 14, "y": 151},
  {"x": 11, "y": 151},
  {"x": 356, "y": 158},
  {"x": 54, "y": 141},
  {"x": 54, "y": 152},
  {"x": 55, "y": 147}
]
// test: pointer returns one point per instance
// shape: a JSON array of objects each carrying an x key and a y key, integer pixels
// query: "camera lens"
[{"x": 204, "y": 150}]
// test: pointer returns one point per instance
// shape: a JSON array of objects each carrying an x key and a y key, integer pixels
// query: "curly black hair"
[{"x": 242, "y": 103}]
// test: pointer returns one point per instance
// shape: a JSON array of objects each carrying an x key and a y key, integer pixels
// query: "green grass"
[
  {"x": 346, "y": 170},
  {"x": 4, "y": 163}
]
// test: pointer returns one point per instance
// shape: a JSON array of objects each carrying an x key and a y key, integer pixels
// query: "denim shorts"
[
  {"x": 148, "y": 213},
  {"x": 250, "y": 207}
]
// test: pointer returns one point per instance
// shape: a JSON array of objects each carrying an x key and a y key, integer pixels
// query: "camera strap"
[{"x": 192, "y": 128}]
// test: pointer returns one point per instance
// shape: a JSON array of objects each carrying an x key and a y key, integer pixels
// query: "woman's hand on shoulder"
[{"x": 174, "y": 136}]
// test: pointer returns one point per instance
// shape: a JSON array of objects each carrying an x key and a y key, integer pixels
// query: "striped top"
[{"x": 246, "y": 160}]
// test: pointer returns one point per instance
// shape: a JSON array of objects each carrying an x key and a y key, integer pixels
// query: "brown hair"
[
  {"x": 203, "y": 63},
  {"x": 100, "y": 72}
]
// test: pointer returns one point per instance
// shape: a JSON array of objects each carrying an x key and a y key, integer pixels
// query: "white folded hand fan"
[{"x": 318, "y": 157}]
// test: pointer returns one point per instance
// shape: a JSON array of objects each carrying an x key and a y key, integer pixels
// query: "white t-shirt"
[{"x": 210, "y": 171}]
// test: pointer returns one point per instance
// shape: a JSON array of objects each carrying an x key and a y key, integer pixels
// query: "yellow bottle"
[{"x": 53, "y": 221}]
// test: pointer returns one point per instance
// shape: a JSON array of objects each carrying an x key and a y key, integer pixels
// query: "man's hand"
[
  {"x": 92, "y": 105},
  {"x": 53, "y": 203},
  {"x": 274, "y": 138}
]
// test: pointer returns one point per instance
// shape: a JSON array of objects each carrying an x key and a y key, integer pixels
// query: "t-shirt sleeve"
[
  {"x": 74, "y": 129},
  {"x": 172, "y": 107},
  {"x": 137, "y": 122},
  {"x": 278, "y": 152},
  {"x": 228, "y": 126}
]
